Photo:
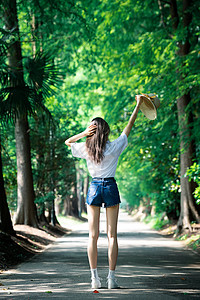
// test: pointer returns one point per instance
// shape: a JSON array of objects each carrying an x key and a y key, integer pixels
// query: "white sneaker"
[
  {"x": 96, "y": 283},
  {"x": 112, "y": 284}
]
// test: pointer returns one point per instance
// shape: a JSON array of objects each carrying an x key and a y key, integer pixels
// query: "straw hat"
[{"x": 149, "y": 105}]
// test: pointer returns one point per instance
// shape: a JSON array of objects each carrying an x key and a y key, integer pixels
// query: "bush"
[
  {"x": 193, "y": 173},
  {"x": 158, "y": 221}
]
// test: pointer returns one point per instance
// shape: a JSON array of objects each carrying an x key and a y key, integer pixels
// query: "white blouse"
[{"x": 108, "y": 165}]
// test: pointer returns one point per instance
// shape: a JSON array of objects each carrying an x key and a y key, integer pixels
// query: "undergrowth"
[
  {"x": 192, "y": 240},
  {"x": 157, "y": 221}
]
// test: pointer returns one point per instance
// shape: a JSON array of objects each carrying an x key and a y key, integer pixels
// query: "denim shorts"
[{"x": 103, "y": 190}]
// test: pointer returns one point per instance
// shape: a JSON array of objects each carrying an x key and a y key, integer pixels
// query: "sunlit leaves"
[{"x": 194, "y": 175}]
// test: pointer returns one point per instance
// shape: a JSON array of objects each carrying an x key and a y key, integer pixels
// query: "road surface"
[{"x": 149, "y": 267}]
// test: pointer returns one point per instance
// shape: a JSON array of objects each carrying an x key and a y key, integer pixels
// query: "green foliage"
[
  {"x": 195, "y": 242},
  {"x": 106, "y": 52},
  {"x": 157, "y": 222},
  {"x": 194, "y": 174},
  {"x": 20, "y": 98},
  {"x": 191, "y": 240},
  {"x": 135, "y": 53}
]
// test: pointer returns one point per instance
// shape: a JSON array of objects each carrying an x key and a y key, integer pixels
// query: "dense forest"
[{"x": 64, "y": 62}]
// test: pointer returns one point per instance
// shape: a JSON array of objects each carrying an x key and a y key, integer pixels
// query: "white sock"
[
  {"x": 111, "y": 274},
  {"x": 94, "y": 273}
]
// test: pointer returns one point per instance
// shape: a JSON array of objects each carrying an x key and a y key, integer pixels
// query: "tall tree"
[
  {"x": 5, "y": 219},
  {"x": 26, "y": 213},
  {"x": 186, "y": 147},
  {"x": 25, "y": 98}
]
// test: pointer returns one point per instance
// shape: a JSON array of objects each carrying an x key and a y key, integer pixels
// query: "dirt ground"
[
  {"x": 191, "y": 240},
  {"x": 27, "y": 242}
]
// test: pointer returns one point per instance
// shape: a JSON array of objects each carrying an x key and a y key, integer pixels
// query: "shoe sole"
[
  {"x": 96, "y": 287},
  {"x": 112, "y": 287}
]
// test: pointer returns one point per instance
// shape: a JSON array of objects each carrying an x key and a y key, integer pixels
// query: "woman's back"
[{"x": 107, "y": 167}]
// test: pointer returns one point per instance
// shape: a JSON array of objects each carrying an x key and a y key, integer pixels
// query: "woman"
[{"x": 102, "y": 157}]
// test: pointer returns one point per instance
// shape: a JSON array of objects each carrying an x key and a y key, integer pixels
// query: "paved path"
[{"x": 149, "y": 267}]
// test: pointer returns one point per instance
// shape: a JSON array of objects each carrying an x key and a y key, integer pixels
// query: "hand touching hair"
[
  {"x": 90, "y": 130},
  {"x": 97, "y": 138}
]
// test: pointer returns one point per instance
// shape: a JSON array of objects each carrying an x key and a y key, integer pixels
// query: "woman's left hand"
[{"x": 139, "y": 99}]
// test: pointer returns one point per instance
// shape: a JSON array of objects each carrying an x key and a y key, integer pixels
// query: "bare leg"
[
  {"x": 112, "y": 218},
  {"x": 93, "y": 221}
]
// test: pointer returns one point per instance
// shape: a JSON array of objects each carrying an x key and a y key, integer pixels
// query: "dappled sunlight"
[{"x": 149, "y": 266}]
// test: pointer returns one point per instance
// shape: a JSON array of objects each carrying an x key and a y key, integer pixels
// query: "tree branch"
[
  {"x": 167, "y": 2},
  {"x": 162, "y": 17},
  {"x": 174, "y": 14}
]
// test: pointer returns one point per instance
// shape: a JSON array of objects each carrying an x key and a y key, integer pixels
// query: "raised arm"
[
  {"x": 133, "y": 117},
  {"x": 89, "y": 131}
]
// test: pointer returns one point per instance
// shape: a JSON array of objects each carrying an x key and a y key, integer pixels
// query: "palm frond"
[
  {"x": 8, "y": 75},
  {"x": 43, "y": 74},
  {"x": 18, "y": 101},
  {"x": 16, "y": 97},
  {"x": 3, "y": 44}
]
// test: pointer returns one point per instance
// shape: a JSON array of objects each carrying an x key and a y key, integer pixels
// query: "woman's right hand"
[{"x": 90, "y": 130}]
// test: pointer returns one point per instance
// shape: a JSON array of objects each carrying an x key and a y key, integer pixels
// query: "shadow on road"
[{"x": 149, "y": 267}]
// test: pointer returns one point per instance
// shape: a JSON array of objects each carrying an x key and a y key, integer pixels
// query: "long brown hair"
[{"x": 96, "y": 143}]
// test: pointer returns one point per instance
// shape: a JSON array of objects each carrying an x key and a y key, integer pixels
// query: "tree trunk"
[
  {"x": 66, "y": 206},
  {"x": 79, "y": 188},
  {"x": 186, "y": 149},
  {"x": 85, "y": 191},
  {"x": 5, "y": 219},
  {"x": 186, "y": 156},
  {"x": 71, "y": 201},
  {"x": 74, "y": 201},
  {"x": 42, "y": 217},
  {"x": 26, "y": 212},
  {"x": 54, "y": 220},
  {"x": 185, "y": 162}
]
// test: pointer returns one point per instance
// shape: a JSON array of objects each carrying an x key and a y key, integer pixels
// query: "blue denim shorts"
[{"x": 103, "y": 190}]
